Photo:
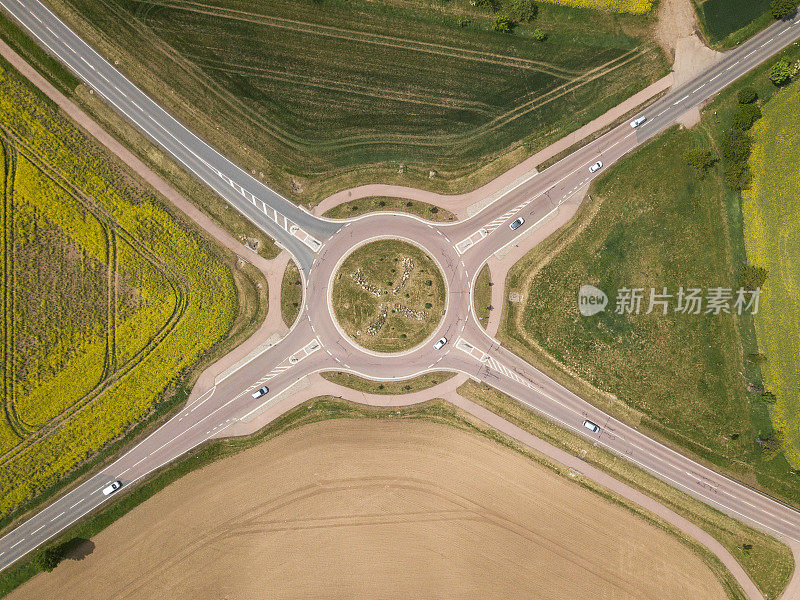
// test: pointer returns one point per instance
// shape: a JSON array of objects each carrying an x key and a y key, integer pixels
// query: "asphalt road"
[{"x": 315, "y": 343}]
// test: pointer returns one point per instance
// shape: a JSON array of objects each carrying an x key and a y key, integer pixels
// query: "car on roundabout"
[{"x": 440, "y": 343}]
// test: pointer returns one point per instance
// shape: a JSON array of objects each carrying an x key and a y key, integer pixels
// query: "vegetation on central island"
[{"x": 388, "y": 295}]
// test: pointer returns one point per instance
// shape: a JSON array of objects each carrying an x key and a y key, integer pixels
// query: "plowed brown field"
[{"x": 379, "y": 509}]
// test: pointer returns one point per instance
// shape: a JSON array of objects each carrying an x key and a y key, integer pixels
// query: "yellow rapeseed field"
[
  {"x": 108, "y": 299},
  {"x": 636, "y": 7},
  {"x": 772, "y": 234}
]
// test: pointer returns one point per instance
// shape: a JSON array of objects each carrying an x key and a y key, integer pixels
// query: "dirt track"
[{"x": 378, "y": 509}]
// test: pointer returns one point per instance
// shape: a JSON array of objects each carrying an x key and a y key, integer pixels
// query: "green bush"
[
  {"x": 524, "y": 10},
  {"x": 539, "y": 34},
  {"x": 735, "y": 145},
  {"x": 502, "y": 23},
  {"x": 746, "y": 116},
  {"x": 781, "y": 72},
  {"x": 747, "y": 95}
]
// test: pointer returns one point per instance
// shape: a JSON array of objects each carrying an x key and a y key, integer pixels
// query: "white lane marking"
[
  {"x": 61, "y": 514},
  {"x": 718, "y": 75},
  {"x": 767, "y": 42},
  {"x": 681, "y": 100},
  {"x": 76, "y": 504},
  {"x": 37, "y": 530},
  {"x": 17, "y": 544}
]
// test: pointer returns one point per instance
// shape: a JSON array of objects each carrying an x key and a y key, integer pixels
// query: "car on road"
[
  {"x": 440, "y": 344},
  {"x": 517, "y": 224},
  {"x": 110, "y": 489},
  {"x": 596, "y": 167},
  {"x": 636, "y": 122},
  {"x": 260, "y": 392},
  {"x": 593, "y": 427}
]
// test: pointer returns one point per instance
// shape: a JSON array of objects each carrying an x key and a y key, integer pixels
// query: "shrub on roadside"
[
  {"x": 781, "y": 72},
  {"x": 747, "y": 95}
]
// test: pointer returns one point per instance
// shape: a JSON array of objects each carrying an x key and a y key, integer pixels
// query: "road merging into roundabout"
[{"x": 316, "y": 343}]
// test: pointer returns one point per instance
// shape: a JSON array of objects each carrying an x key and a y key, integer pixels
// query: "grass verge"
[
  {"x": 390, "y": 204},
  {"x": 482, "y": 296},
  {"x": 374, "y": 386},
  {"x": 291, "y": 294}
]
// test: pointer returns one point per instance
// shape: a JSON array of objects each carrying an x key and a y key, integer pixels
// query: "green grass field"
[
  {"x": 772, "y": 217},
  {"x": 378, "y": 85},
  {"x": 723, "y": 19},
  {"x": 676, "y": 373},
  {"x": 107, "y": 300},
  {"x": 388, "y": 295}
]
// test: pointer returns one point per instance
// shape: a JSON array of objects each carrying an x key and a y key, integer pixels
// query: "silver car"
[
  {"x": 440, "y": 344},
  {"x": 636, "y": 122},
  {"x": 596, "y": 167},
  {"x": 110, "y": 489},
  {"x": 593, "y": 427},
  {"x": 517, "y": 224},
  {"x": 260, "y": 392}
]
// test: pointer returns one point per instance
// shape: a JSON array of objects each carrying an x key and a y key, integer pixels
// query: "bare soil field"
[{"x": 386, "y": 509}]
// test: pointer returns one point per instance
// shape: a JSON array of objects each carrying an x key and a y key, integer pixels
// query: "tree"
[
  {"x": 539, "y": 34},
  {"x": 747, "y": 95},
  {"x": 781, "y": 72},
  {"x": 48, "y": 559},
  {"x": 783, "y": 8},
  {"x": 524, "y": 10},
  {"x": 700, "y": 159},
  {"x": 503, "y": 23},
  {"x": 745, "y": 116}
]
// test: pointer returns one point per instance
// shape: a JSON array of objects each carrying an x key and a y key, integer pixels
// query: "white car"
[
  {"x": 110, "y": 489},
  {"x": 596, "y": 167},
  {"x": 593, "y": 427},
  {"x": 636, "y": 122},
  {"x": 260, "y": 392},
  {"x": 517, "y": 224},
  {"x": 440, "y": 344}
]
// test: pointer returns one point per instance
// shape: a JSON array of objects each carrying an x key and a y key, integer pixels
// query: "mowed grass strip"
[
  {"x": 388, "y": 295},
  {"x": 291, "y": 294},
  {"x": 772, "y": 235},
  {"x": 380, "y": 84},
  {"x": 389, "y": 204},
  {"x": 482, "y": 296},
  {"x": 374, "y": 386}
]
